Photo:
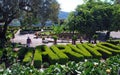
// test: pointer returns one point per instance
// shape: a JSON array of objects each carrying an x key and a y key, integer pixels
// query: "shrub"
[
  {"x": 92, "y": 51},
  {"x": 37, "y": 57},
  {"x": 53, "y": 58},
  {"x": 113, "y": 42},
  {"x": 110, "y": 45},
  {"x": 83, "y": 50},
  {"x": 28, "y": 56},
  {"x": 74, "y": 56},
  {"x": 109, "y": 49},
  {"x": 22, "y": 52},
  {"x": 63, "y": 58},
  {"x": 61, "y": 47},
  {"x": 105, "y": 53}
]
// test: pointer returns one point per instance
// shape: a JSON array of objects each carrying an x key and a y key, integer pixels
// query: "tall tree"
[
  {"x": 49, "y": 10},
  {"x": 92, "y": 16},
  {"x": 11, "y": 9}
]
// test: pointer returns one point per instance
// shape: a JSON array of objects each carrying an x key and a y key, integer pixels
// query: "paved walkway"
[{"x": 35, "y": 42}]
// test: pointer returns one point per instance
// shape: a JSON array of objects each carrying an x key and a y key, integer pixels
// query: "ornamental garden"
[{"x": 81, "y": 44}]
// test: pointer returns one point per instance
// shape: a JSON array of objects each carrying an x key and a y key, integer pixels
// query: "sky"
[{"x": 69, "y": 5}]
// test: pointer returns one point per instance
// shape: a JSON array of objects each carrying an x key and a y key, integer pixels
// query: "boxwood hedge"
[
  {"x": 110, "y": 45},
  {"x": 109, "y": 49},
  {"x": 83, "y": 50},
  {"x": 28, "y": 56},
  {"x": 63, "y": 58},
  {"x": 37, "y": 57},
  {"x": 53, "y": 58},
  {"x": 92, "y": 50},
  {"x": 22, "y": 52},
  {"x": 74, "y": 56}
]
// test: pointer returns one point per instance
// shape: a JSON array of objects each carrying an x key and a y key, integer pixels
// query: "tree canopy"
[
  {"x": 93, "y": 16},
  {"x": 11, "y": 9}
]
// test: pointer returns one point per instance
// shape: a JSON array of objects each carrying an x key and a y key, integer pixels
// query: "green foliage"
[
  {"x": 114, "y": 52},
  {"x": 104, "y": 52},
  {"x": 37, "y": 57},
  {"x": 89, "y": 67},
  {"x": 63, "y": 58},
  {"x": 74, "y": 56},
  {"x": 18, "y": 69},
  {"x": 92, "y": 51},
  {"x": 55, "y": 37},
  {"x": 83, "y": 49},
  {"x": 86, "y": 54},
  {"x": 74, "y": 37},
  {"x": 29, "y": 55},
  {"x": 57, "y": 29},
  {"x": 115, "y": 42},
  {"x": 110, "y": 46},
  {"x": 22, "y": 52},
  {"x": 53, "y": 58}
]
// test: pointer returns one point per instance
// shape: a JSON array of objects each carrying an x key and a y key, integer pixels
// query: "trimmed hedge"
[
  {"x": 109, "y": 49},
  {"x": 63, "y": 58},
  {"x": 105, "y": 53},
  {"x": 92, "y": 51},
  {"x": 115, "y": 42},
  {"x": 83, "y": 50},
  {"x": 110, "y": 45},
  {"x": 53, "y": 58},
  {"x": 61, "y": 47},
  {"x": 73, "y": 55},
  {"x": 28, "y": 56},
  {"x": 37, "y": 57},
  {"x": 22, "y": 52}
]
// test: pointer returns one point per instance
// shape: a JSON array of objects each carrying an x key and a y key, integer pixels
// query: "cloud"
[{"x": 69, "y": 5}]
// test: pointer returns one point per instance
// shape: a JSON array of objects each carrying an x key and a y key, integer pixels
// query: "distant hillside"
[{"x": 63, "y": 15}]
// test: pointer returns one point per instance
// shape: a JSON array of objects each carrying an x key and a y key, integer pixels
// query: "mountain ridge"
[{"x": 63, "y": 15}]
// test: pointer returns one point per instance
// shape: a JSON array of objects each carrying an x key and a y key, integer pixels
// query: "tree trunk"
[
  {"x": 3, "y": 41},
  {"x": 55, "y": 41},
  {"x": 89, "y": 39},
  {"x": 3, "y": 38},
  {"x": 107, "y": 35},
  {"x": 95, "y": 41},
  {"x": 73, "y": 42}
]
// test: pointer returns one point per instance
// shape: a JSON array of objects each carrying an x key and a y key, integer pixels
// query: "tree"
[
  {"x": 9, "y": 11},
  {"x": 92, "y": 16},
  {"x": 49, "y": 10},
  {"x": 56, "y": 31}
]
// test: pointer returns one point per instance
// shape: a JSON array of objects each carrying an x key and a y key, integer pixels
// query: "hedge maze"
[{"x": 64, "y": 53}]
